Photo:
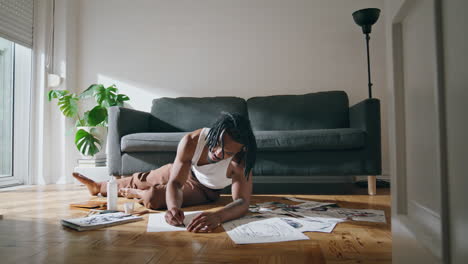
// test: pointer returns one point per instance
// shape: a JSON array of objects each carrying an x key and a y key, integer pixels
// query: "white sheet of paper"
[
  {"x": 157, "y": 222},
  {"x": 256, "y": 229},
  {"x": 311, "y": 224}
]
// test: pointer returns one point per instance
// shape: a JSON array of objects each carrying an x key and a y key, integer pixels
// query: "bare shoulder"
[
  {"x": 237, "y": 165},
  {"x": 193, "y": 136},
  {"x": 191, "y": 139},
  {"x": 188, "y": 144}
]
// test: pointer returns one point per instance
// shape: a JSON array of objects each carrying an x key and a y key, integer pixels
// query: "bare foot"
[
  {"x": 131, "y": 193},
  {"x": 93, "y": 187}
]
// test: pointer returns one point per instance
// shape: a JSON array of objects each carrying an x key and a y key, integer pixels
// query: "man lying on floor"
[{"x": 207, "y": 160}]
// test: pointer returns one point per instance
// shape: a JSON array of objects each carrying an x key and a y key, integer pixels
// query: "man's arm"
[
  {"x": 241, "y": 191},
  {"x": 179, "y": 175}
]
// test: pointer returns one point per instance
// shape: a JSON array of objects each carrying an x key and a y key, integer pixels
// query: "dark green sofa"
[{"x": 315, "y": 134}]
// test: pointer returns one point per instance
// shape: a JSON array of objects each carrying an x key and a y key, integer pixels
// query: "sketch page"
[
  {"x": 310, "y": 224},
  {"x": 251, "y": 230},
  {"x": 369, "y": 215},
  {"x": 157, "y": 222}
]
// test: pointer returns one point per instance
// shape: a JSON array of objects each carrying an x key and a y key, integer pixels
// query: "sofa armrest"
[
  {"x": 123, "y": 121},
  {"x": 365, "y": 115}
]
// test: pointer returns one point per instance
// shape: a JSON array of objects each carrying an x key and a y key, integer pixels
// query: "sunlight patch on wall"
[{"x": 141, "y": 97}]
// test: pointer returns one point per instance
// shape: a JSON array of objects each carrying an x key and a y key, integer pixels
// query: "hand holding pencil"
[{"x": 175, "y": 216}]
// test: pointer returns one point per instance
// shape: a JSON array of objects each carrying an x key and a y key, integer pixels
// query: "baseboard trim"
[
  {"x": 302, "y": 179},
  {"x": 302, "y": 188},
  {"x": 407, "y": 244},
  {"x": 429, "y": 230}
]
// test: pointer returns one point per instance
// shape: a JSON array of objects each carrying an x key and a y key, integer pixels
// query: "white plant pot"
[{"x": 99, "y": 132}]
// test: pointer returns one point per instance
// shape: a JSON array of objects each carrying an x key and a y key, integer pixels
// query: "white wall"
[
  {"x": 244, "y": 48},
  {"x": 52, "y": 150}
]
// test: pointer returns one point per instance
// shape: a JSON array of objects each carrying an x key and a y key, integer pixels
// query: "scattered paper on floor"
[
  {"x": 369, "y": 215},
  {"x": 329, "y": 211},
  {"x": 253, "y": 229},
  {"x": 311, "y": 224},
  {"x": 296, "y": 199}
]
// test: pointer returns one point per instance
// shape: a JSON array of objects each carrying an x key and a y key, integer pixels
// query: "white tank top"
[{"x": 213, "y": 175}]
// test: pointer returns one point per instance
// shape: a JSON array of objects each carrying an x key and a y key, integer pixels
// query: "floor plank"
[{"x": 30, "y": 232}]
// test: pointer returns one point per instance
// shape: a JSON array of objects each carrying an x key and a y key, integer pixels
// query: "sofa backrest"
[
  {"x": 321, "y": 110},
  {"x": 185, "y": 114}
]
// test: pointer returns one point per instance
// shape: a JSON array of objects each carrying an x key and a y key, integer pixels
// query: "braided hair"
[{"x": 238, "y": 127}]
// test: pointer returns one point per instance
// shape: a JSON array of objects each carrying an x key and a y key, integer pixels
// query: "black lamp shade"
[{"x": 366, "y": 18}]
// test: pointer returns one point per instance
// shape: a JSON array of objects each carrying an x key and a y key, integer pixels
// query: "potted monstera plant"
[{"x": 91, "y": 126}]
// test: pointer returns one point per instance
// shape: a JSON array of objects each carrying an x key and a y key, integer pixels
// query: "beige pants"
[{"x": 154, "y": 183}]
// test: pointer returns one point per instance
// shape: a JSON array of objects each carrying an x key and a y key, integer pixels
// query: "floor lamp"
[{"x": 366, "y": 18}]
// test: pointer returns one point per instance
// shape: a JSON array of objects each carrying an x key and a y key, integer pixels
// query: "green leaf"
[
  {"x": 106, "y": 97},
  {"x": 87, "y": 143},
  {"x": 54, "y": 94},
  {"x": 68, "y": 104},
  {"x": 97, "y": 115},
  {"x": 122, "y": 98},
  {"x": 90, "y": 91}
]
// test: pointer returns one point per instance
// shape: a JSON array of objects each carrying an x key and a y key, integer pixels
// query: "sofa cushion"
[
  {"x": 191, "y": 113},
  {"x": 151, "y": 142},
  {"x": 292, "y": 140},
  {"x": 306, "y": 140},
  {"x": 322, "y": 110}
]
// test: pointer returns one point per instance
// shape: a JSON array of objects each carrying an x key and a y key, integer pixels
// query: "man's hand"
[
  {"x": 174, "y": 216},
  {"x": 204, "y": 222}
]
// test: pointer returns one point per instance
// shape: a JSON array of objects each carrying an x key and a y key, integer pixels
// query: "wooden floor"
[{"x": 30, "y": 232}]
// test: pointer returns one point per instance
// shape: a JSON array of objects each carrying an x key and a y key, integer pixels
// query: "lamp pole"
[{"x": 368, "y": 66}]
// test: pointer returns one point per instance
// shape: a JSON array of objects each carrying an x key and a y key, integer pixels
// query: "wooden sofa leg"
[{"x": 371, "y": 185}]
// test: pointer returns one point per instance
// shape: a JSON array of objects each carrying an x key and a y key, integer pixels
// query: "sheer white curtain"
[{"x": 52, "y": 152}]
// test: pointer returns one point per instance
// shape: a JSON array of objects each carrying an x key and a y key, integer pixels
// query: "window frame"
[{"x": 22, "y": 76}]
